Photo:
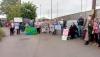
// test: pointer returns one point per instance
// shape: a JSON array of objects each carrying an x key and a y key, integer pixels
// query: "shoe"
[
  {"x": 86, "y": 43},
  {"x": 98, "y": 45}
]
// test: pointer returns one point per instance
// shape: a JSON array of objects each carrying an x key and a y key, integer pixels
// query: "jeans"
[{"x": 80, "y": 30}]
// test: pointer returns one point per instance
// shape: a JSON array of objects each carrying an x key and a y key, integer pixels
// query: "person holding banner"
[{"x": 17, "y": 28}]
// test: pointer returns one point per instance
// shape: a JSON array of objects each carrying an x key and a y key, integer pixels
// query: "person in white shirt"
[{"x": 17, "y": 28}]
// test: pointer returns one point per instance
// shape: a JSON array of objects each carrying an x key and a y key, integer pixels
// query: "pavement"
[{"x": 44, "y": 45}]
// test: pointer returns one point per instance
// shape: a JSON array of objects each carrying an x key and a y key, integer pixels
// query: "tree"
[
  {"x": 6, "y": 3},
  {"x": 11, "y": 8},
  {"x": 28, "y": 10},
  {"x": 14, "y": 11}
]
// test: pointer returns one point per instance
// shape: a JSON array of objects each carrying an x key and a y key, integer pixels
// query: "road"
[{"x": 45, "y": 45}]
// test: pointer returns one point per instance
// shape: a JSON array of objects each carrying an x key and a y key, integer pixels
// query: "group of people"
[
  {"x": 92, "y": 31},
  {"x": 52, "y": 28},
  {"x": 89, "y": 30},
  {"x": 57, "y": 27},
  {"x": 76, "y": 28},
  {"x": 16, "y": 27}
]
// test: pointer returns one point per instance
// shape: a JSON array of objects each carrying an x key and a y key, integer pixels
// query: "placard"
[
  {"x": 18, "y": 19},
  {"x": 65, "y": 34}
]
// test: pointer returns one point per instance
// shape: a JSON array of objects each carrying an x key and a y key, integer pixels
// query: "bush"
[{"x": 2, "y": 34}]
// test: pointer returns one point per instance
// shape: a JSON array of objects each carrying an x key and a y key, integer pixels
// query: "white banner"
[{"x": 18, "y": 19}]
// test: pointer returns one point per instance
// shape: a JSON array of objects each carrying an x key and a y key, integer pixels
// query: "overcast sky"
[{"x": 65, "y": 7}]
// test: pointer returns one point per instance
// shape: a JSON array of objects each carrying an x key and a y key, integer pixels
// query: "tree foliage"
[
  {"x": 14, "y": 11},
  {"x": 28, "y": 10},
  {"x": 13, "y": 8},
  {"x": 5, "y": 5}
]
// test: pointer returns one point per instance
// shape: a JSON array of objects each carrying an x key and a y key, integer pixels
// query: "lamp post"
[
  {"x": 93, "y": 9},
  {"x": 57, "y": 8},
  {"x": 81, "y": 5},
  {"x": 51, "y": 9},
  {"x": 40, "y": 11}
]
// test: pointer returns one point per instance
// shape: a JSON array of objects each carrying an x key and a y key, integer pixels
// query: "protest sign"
[
  {"x": 65, "y": 34},
  {"x": 18, "y": 19}
]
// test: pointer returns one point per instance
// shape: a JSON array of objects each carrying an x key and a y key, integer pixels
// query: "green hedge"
[{"x": 2, "y": 34}]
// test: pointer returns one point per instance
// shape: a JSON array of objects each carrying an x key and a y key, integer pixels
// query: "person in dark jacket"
[
  {"x": 73, "y": 31},
  {"x": 80, "y": 22},
  {"x": 22, "y": 27},
  {"x": 90, "y": 32}
]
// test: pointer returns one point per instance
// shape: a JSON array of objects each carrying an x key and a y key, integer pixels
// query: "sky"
[{"x": 65, "y": 7}]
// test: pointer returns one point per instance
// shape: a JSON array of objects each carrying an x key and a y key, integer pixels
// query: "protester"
[
  {"x": 17, "y": 29},
  {"x": 22, "y": 27},
  {"x": 42, "y": 28},
  {"x": 12, "y": 26},
  {"x": 38, "y": 26},
  {"x": 55, "y": 26},
  {"x": 64, "y": 24},
  {"x": 73, "y": 31},
  {"x": 1, "y": 24},
  {"x": 31, "y": 23},
  {"x": 76, "y": 29},
  {"x": 88, "y": 28},
  {"x": 47, "y": 27},
  {"x": 80, "y": 22},
  {"x": 90, "y": 32},
  {"x": 51, "y": 28},
  {"x": 96, "y": 31},
  {"x": 99, "y": 35}
]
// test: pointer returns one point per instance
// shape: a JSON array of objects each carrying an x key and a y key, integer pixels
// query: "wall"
[{"x": 77, "y": 15}]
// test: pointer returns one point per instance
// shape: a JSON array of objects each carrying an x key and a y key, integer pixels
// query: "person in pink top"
[{"x": 96, "y": 30}]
